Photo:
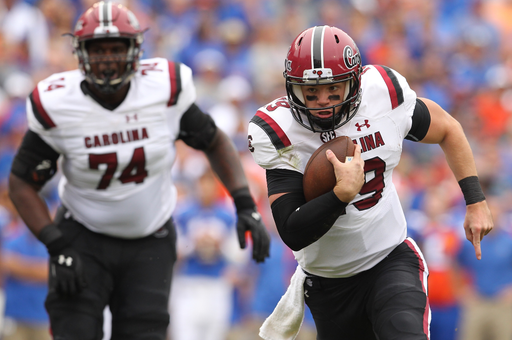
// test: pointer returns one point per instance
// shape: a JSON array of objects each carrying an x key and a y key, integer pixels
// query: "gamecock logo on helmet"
[
  {"x": 288, "y": 65},
  {"x": 351, "y": 59}
]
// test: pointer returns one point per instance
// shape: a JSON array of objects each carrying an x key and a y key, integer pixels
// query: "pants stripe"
[{"x": 427, "y": 317}]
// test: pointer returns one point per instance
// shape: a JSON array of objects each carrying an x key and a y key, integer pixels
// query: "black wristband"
[
  {"x": 471, "y": 190},
  {"x": 51, "y": 237},
  {"x": 243, "y": 199}
]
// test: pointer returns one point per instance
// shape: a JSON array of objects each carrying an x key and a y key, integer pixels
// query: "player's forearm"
[
  {"x": 225, "y": 161},
  {"x": 458, "y": 153},
  {"x": 448, "y": 133},
  {"x": 31, "y": 208}
]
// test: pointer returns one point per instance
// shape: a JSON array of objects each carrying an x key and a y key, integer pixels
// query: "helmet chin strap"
[
  {"x": 106, "y": 85},
  {"x": 108, "y": 78},
  {"x": 109, "y": 85},
  {"x": 325, "y": 123}
]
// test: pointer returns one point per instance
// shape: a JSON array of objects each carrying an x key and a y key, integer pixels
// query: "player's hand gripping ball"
[{"x": 319, "y": 175}]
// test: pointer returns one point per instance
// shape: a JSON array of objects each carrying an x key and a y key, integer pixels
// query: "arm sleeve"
[
  {"x": 197, "y": 128},
  {"x": 282, "y": 180},
  {"x": 420, "y": 122},
  {"x": 299, "y": 223},
  {"x": 35, "y": 161}
]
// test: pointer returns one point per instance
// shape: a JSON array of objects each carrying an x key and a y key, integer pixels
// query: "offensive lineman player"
[
  {"x": 114, "y": 123},
  {"x": 363, "y": 278}
]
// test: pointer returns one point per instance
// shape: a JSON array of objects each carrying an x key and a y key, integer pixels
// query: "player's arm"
[
  {"x": 34, "y": 164},
  {"x": 199, "y": 131},
  {"x": 301, "y": 224},
  {"x": 448, "y": 133}
]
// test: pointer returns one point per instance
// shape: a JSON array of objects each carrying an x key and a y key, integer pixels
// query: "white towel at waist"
[{"x": 285, "y": 321}]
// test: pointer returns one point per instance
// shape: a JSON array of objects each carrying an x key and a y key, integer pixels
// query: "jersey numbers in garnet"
[
  {"x": 135, "y": 171},
  {"x": 278, "y": 103},
  {"x": 374, "y": 186}
]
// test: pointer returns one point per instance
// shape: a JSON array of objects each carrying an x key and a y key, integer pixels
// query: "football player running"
[
  {"x": 363, "y": 278},
  {"x": 113, "y": 123}
]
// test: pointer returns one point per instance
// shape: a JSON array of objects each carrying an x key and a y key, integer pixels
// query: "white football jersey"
[
  {"x": 116, "y": 165},
  {"x": 374, "y": 223}
]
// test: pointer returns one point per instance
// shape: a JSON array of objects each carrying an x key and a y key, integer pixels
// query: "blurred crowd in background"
[{"x": 455, "y": 52}]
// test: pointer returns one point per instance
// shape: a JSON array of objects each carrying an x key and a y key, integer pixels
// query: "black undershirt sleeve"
[
  {"x": 299, "y": 223},
  {"x": 420, "y": 122},
  {"x": 197, "y": 128},
  {"x": 279, "y": 180},
  {"x": 35, "y": 161}
]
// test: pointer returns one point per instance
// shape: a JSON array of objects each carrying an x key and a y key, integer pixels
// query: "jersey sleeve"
[
  {"x": 265, "y": 152},
  {"x": 409, "y": 104},
  {"x": 399, "y": 98},
  {"x": 185, "y": 85},
  {"x": 33, "y": 122},
  {"x": 183, "y": 92},
  {"x": 40, "y": 121}
]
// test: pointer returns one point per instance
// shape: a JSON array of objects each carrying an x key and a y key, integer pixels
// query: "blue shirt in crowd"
[
  {"x": 493, "y": 272},
  {"x": 25, "y": 299}
]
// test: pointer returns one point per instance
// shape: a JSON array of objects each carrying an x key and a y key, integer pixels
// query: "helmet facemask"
[
  {"x": 108, "y": 20},
  {"x": 127, "y": 65},
  {"x": 342, "y": 112},
  {"x": 323, "y": 55}
]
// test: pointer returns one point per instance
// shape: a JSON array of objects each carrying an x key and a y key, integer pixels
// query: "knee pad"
[
  {"x": 405, "y": 325},
  {"x": 406, "y": 322}
]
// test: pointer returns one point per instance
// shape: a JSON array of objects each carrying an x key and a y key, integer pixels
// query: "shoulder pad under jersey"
[
  {"x": 268, "y": 137},
  {"x": 157, "y": 74},
  {"x": 386, "y": 88}
]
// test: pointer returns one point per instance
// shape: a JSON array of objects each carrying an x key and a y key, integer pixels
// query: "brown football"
[{"x": 319, "y": 175}]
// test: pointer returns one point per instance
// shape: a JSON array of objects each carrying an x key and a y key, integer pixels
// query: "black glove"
[
  {"x": 66, "y": 274},
  {"x": 250, "y": 220}
]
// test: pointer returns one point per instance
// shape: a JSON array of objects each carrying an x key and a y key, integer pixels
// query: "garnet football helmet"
[
  {"x": 107, "y": 19},
  {"x": 323, "y": 55}
]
